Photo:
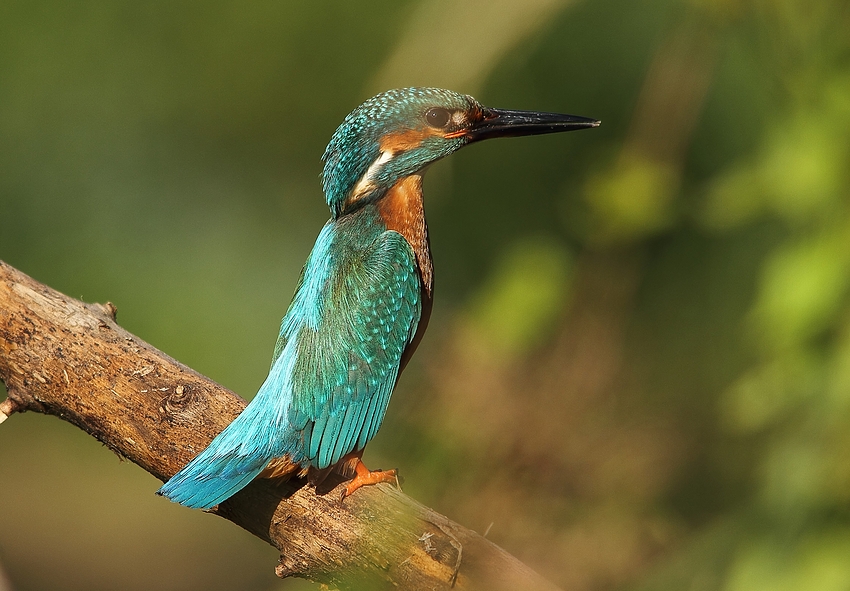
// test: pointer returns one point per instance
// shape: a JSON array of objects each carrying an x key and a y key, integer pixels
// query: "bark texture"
[{"x": 63, "y": 357}]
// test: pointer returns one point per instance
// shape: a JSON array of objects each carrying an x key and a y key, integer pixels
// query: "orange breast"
[{"x": 402, "y": 210}]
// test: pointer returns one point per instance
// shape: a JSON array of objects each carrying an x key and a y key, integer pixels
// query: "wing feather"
[
  {"x": 337, "y": 359},
  {"x": 348, "y": 361}
]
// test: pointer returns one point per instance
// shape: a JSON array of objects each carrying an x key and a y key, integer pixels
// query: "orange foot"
[{"x": 363, "y": 477}]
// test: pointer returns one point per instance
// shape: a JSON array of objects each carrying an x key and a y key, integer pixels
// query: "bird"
[{"x": 362, "y": 302}]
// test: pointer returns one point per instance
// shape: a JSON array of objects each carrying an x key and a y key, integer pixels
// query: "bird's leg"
[{"x": 363, "y": 477}]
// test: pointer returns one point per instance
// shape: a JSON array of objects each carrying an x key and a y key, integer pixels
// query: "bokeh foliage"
[{"x": 638, "y": 366}]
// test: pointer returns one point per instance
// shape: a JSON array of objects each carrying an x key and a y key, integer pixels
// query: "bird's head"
[{"x": 399, "y": 132}]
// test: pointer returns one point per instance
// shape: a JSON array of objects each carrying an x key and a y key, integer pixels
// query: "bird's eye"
[{"x": 437, "y": 117}]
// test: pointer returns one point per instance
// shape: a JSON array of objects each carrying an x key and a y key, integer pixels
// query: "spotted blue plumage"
[
  {"x": 345, "y": 366},
  {"x": 354, "y": 313}
]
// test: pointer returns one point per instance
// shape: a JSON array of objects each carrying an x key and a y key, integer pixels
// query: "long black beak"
[{"x": 504, "y": 123}]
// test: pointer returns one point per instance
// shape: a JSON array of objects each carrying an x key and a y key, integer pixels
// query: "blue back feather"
[{"x": 336, "y": 362}]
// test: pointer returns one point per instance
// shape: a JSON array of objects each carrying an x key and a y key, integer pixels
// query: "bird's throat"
[{"x": 403, "y": 210}]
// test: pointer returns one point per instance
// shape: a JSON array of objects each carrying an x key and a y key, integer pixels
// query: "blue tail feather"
[
  {"x": 195, "y": 487},
  {"x": 238, "y": 454}
]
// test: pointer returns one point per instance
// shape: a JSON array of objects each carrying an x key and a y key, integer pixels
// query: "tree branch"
[{"x": 63, "y": 357}]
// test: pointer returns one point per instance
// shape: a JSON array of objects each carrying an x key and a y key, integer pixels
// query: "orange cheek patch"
[{"x": 406, "y": 140}]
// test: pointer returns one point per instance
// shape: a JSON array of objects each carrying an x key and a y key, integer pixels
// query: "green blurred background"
[{"x": 637, "y": 374}]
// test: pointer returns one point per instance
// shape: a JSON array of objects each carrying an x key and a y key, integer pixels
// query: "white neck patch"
[{"x": 365, "y": 185}]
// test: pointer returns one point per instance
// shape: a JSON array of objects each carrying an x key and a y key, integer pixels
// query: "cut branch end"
[{"x": 7, "y": 409}]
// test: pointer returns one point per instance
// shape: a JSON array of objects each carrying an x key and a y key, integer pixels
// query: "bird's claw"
[{"x": 365, "y": 477}]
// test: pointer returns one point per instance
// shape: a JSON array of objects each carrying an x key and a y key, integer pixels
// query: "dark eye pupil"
[{"x": 437, "y": 117}]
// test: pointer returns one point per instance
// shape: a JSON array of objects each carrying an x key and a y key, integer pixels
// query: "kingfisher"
[{"x": 362, "y": 302}]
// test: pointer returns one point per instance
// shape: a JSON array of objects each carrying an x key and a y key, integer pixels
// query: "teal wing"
[
  {"x": 354, "y": 313},
  {"x": 346, "y": 339}
]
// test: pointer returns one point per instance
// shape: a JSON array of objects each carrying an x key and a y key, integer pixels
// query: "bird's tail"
[{"x": 232, "y": 460}]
